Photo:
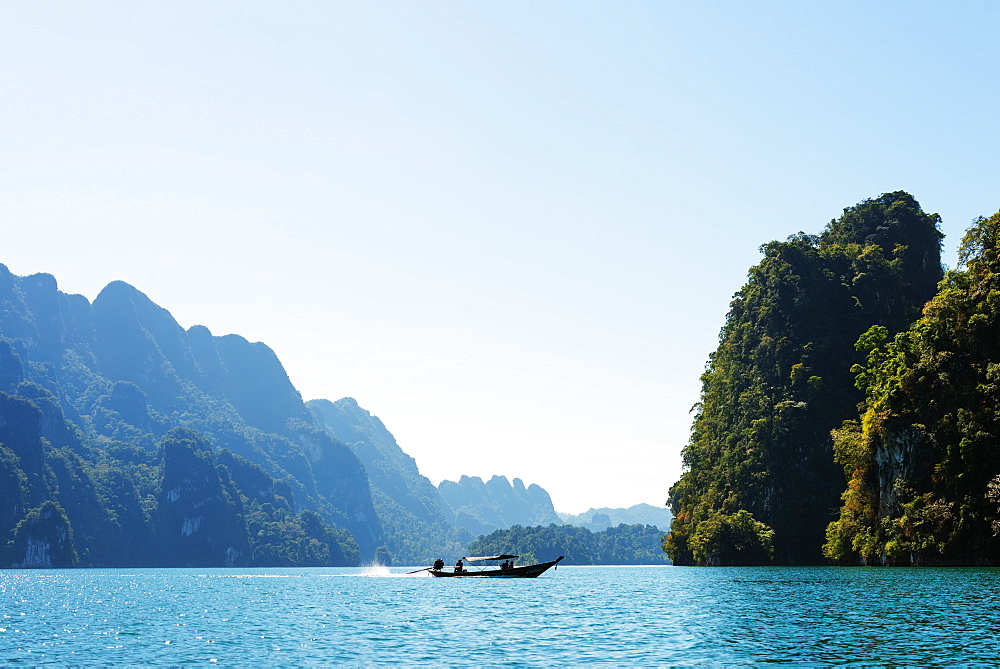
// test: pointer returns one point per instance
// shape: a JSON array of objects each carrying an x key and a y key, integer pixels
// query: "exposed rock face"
[
  {"x": 129, "y": 402},
  {"x": 254, "y": 482},
  {"x": 497, "y": 504},
  {"x": 44, "y": 539},
  {"x": 406, "y": 501},
  {"x": 11, "y": 369},
  {"x": 20, "y": 432},
  {"x": 389, "y": 468},
  {"x": 13, "y": 499},
  {"x": 895, "y": 461},
  {"x": 341, "y": 479},
  {"x": 200, "y": 523},
  {"x": 40, "y": 485}
]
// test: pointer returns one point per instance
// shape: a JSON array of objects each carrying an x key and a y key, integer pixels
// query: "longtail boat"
[{"x": 487, "y": 567}]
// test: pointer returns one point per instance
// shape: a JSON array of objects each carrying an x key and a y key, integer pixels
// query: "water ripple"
[{"x": 636, "y": 616}]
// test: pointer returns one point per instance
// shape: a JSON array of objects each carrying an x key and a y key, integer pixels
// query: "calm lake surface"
[{"x": 643, "y": 616}]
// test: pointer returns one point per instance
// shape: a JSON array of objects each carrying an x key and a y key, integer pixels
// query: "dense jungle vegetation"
[
  {"x": 624, "y": 544},
  {"x": 923, "y": 460},
  {"x": 761, "y": 481},
  {"x": 68, "y": 501}
]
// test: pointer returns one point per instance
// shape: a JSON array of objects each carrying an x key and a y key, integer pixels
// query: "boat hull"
[{"x": 527, "y": 571}]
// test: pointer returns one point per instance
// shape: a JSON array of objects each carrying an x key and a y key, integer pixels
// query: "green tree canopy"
[
  {"x": 780, "y": 380},
  {"x": 921, "y": 461}
]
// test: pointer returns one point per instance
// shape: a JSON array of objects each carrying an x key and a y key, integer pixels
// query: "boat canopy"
[{"x": 489, "y": 557}]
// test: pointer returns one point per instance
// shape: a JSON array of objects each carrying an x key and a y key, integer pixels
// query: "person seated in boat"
[
  {"x": 506, "y": 564},
  {"x": 459, "y": 566},
  {"x": 438, "y": 564}
]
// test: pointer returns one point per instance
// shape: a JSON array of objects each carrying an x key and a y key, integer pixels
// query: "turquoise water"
[{"x": 642, "y": 616}]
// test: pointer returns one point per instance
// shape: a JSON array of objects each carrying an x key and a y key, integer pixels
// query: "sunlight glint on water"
[{"x": 613, "y": 615}]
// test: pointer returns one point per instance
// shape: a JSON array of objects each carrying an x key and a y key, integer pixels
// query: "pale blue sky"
[{"x": 512, "y": 229}]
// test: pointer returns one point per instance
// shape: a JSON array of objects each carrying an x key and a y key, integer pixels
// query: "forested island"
[
  {"x": 624, "y": 544},
  {"x": 849, "y": 413},
  {"x": 602, "y": 518}
]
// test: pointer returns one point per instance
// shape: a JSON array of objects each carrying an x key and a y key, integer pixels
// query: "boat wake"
[
  {"x": 375, "y": 570},
  {"x": 381, "y": 571}
]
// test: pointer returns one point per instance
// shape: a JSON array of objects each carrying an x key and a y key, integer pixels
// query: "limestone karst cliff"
[
  {"x": 761, "y": 483},
  {"x": 93, "y": 394}
]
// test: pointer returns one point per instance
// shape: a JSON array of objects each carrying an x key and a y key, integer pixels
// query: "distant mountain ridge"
[
  {"x": 597, "y": 520},
  {"x": 482, "y": 507}
]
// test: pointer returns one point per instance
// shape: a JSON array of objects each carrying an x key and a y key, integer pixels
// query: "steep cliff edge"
[
  {"x": 761, "y": 483},
  {"x": 417, "y": 527}
]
